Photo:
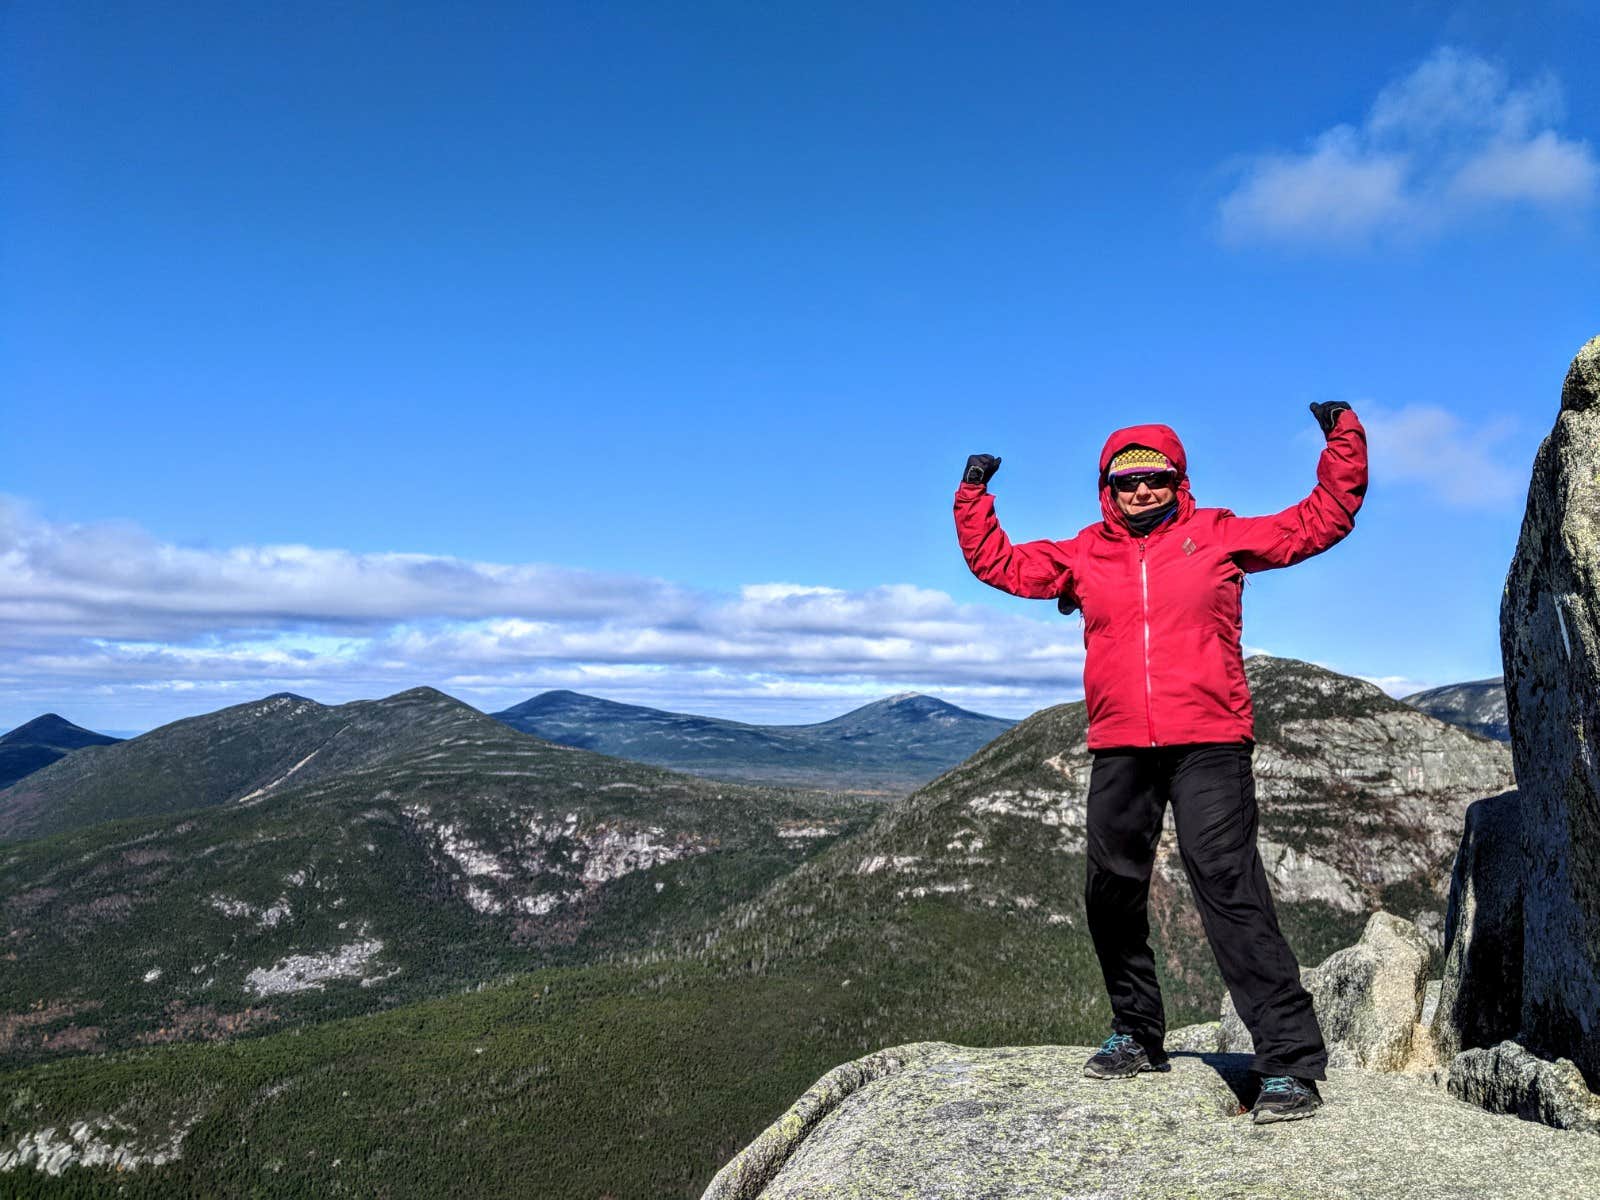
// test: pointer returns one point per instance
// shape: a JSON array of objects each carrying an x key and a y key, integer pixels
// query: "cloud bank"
[
  {"x": 1458, "y": 463},
  {"x": 108, "y": 618},
  {"x": 1452, "y": 139}
]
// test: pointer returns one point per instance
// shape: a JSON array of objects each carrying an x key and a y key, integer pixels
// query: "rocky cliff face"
[
  {"x": 1361, "y": 782},
  {"x": 1479, "y": 706},
  {"x": 1358, "y": 792},
  {"x": 1550, "y": 640},
  {"x": 1481, "y": 1000}
]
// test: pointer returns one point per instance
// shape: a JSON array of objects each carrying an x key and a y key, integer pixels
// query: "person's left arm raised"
[
  {"x": 1325, "y": 516},
  {"x": 1037, "y": 570}
]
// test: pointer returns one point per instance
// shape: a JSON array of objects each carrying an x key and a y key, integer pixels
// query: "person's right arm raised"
[{"x": 1038, "y": 570}]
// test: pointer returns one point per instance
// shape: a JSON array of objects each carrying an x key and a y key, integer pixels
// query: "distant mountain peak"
[
  {"x": 237, "y": 754},
  {"x": 906, "y": 705},
  {"x": 50, "y": 728},
  {"x": 45, "y": 739},
  {"x": 889, "y": 744},
  {"x": 424, "y": 692},
  {"x": 42, "y": 725},
  {"x": 563, "y": 701},
  {"x": 1478, "y": 705},
  {"x": 279, "y": 702},
  {"x": 914, "y": 700}
]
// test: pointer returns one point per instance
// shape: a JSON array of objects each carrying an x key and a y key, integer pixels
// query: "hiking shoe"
[
  {"x": 1120, "y": 1057},
  {"x": 1285, "y": 1098}
]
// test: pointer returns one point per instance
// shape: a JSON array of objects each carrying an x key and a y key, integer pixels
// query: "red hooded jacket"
[{"x": 1161, "y": 613}]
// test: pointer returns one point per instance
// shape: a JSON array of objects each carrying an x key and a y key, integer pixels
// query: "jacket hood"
[{"x": 1156, "y": 437}]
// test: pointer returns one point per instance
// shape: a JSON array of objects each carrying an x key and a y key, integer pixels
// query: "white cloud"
[
  {"x": 107, "y": 611},
  {"x": 1452, "y": 138},
  {"x": 1463, "y": 465},
  {"x": 94, "y": 623},
  {"x": 1543, "y": 169},
  {"x": 122, "y": 583},
  {"x": 1337, "y": 190},
  {"x": 1401, "y": 686}
]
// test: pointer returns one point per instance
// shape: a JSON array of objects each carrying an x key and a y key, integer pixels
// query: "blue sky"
[{"x": 637, "y": 348}]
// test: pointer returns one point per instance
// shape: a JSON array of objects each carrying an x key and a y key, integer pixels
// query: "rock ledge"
[{"x": 934, "y": 1120}]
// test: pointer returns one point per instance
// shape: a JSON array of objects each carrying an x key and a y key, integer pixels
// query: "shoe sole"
[
  {"x": 1272, "y": 1118},
  {"x": 1091, "y": 1073}
]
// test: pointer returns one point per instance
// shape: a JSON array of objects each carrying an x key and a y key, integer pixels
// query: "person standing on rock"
[{"x": 1159, "y": 583}]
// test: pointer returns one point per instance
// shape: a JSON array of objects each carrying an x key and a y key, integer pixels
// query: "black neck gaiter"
[{"x": 1143, "y": 522}]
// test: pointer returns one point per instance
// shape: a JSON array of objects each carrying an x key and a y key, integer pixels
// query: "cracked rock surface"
[
  {"x": 1481, "y": 997},
  {"x": 935, "y": 1121},
  {"x": 1507, "y": 1079}
]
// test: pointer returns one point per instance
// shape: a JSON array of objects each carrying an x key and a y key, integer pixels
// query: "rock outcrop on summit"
[
  {"x": 1368, "y": 999},
  {"x": 1550, "y": 640},
  {"x": 1023, "y": 1121},
  {"x": 934, "y": 1119},
  {"x": 1481, "y": 996}
]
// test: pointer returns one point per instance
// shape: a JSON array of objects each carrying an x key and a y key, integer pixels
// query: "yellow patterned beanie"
[{"x": 1137, "y": 460}]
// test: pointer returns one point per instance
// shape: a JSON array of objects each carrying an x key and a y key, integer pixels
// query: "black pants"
[{"x": 1213, "y": 795}]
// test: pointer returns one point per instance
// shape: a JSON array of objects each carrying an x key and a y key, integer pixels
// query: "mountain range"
[
  {"x": 653, "y": 964},
  {"x": 890, "y": 746},
  {"x": 887, "y": 747},
  {"x": 281, "y": 862}
]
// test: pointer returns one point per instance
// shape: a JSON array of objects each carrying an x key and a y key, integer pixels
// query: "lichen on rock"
[
  {"x": 964, "y": 1123},
  {"x": 1368, "y": 998},
  {"x": 1550, "y": 641}
]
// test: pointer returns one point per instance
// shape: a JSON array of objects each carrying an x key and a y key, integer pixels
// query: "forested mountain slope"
[{"x": 463, "y": 851}]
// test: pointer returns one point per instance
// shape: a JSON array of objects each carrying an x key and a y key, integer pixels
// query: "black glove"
[
  {"x": 981, "y": 468},
  {"x": 1327, "y": 413}
]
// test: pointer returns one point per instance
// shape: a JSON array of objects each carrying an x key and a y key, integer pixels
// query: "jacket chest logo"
[{"x": 1188, "y": 546}]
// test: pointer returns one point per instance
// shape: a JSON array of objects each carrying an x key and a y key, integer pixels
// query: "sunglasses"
[{"x": 1155, "y": 480}]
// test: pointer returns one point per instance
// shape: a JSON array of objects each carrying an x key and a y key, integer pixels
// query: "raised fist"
[
  {"x": 1327, "y": 413},
  {"x": 981, "y": 468}
]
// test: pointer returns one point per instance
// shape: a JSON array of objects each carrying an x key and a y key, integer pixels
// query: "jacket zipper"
[{"x": 1144, "y": 609}]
